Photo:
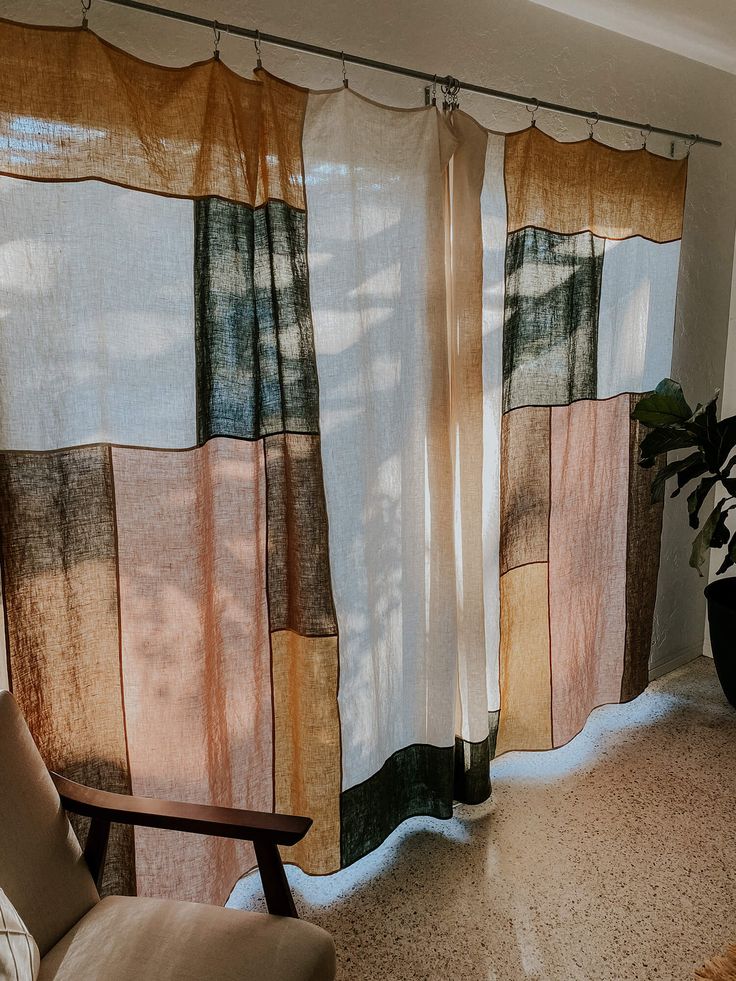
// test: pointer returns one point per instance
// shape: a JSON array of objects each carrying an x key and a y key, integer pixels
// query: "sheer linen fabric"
[
  {"x": 317, "y": 475},
  {"x": 590, "y": 273}
]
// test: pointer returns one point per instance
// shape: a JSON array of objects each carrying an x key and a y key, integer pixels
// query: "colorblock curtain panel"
[{"x": 317, "y": 473}]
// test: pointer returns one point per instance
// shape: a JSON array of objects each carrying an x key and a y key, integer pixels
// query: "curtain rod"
[{"x": 282, "y": 42}]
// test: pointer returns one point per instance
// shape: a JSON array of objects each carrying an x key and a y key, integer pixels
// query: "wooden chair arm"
[{"x": 266, "y": 830}]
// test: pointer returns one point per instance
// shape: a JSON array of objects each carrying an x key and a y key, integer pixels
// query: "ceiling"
[{"x": 704, "y": 30}]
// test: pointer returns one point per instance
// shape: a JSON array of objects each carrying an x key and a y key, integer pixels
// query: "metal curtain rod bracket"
[{"x": 283, "y": 42}]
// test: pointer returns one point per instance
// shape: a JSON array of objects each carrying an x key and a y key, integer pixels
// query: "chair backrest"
[{"x": 41, "y": 865}]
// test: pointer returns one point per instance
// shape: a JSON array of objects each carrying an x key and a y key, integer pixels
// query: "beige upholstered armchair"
[{"x": 53, "y": 887}]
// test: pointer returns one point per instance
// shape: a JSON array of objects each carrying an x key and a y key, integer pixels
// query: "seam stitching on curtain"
[
  {"x": 146, "y": 190},
  {"x": 6, "y": 625},
  {"x": 541, "y": 405},
  {"x": 114, "y": 506},
  {"x": 159, "y": 449},
  {"x": 582, "y": 231},
  {"x": 270, "y": 639},
  {"x": 549, "y": 605}
]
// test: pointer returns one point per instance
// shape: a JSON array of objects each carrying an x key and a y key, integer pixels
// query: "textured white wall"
[{"x": 525, "y": 48}]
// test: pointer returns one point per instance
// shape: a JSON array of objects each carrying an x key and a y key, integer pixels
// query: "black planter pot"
[{"x": 721, "y": 597}]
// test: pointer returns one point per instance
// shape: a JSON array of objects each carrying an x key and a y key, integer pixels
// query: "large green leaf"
[
  {"x": 697, "y": 469},
  {"x": 730, "y": 558},
  {"x": 726, "y": 440},
  {"x": 713, "y": 534},
  {"x": 662, "y": 440},
  {"x": 664, "y": 406},
  {"x": 694, "y": 464},
  {"x": 697, "y": 498},
  {"x": 703, "y": 424}
]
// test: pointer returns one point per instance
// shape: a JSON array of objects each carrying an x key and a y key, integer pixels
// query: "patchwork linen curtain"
[{"x": 317, "y": 476}]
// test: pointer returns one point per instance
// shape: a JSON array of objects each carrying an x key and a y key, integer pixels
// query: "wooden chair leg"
[
  {"x": 95, "y": 848},
  {"x": 279, "y": 900}
]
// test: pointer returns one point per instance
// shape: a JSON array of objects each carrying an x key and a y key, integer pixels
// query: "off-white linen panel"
[
  {"x": 375, "y": 182},
  {"x": 98, "y": 282},
  {"x": 637, "y": 315}
]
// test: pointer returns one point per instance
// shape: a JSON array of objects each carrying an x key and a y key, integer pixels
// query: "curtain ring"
[
  {"x": 216, "y": 35},
  {"x": 451, "y": 89},
  {"x": 646, "y": 135},
  {"x": 533, "y": 111},
  {"x": 344, "y": 70},
  {"x": 591, "y": 123},
  {"x": 257, "y": 46},
  {"x": 85, "y": 10}
]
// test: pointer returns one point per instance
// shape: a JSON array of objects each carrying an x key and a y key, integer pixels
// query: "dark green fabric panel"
[
  {"x": 256, "y": 368},
  {"x": 419, "y": 779},
  {"x": 415, "y": 780},
  {"x": 550, "y": 341},
  {"x": 473, "y": 765}
]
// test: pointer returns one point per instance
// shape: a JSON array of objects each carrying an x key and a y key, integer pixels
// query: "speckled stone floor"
[{"x": 611, "y": 859}]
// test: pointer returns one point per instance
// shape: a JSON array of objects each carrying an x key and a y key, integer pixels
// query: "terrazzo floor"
[{"x": 611, "y": 859}]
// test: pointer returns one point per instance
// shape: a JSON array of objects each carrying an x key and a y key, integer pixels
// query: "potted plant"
[{"x": 673, "y": 425}]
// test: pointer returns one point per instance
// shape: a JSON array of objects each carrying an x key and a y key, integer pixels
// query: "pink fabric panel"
[
  {"x": 195, "y": 648},
  {"x": 589, "y": 484}
]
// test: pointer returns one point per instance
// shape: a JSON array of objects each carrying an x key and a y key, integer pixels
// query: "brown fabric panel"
[
  {"x": 196, "y": 654},
  {"x": 59, "y": 573},
  {"x": 574, "y": 187},
  {"x": 299, "y": 584},
  {"x": 464, "y": 258},
  {"x": 280, "y": 173},
  {"x": 525, "y": 720},
  {"x": 73, "y": 106},
  {"x": 524, "y": 487},
  {"x": 308, "y": 766},
  {"x": 587, "y": 558},
  {"x": 642, "y": 566}
]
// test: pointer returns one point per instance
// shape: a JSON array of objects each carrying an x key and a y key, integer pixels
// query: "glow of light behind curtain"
[{"x": 317, "y": 476}]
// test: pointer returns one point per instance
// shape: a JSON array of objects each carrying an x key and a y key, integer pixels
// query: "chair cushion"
[
  {"x": 41, "y": 864},
  {"x": 138, "y": 939},
  {"x": 19, "y": 957}
]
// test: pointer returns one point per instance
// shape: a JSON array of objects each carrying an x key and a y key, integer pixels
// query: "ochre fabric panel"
[
  {"x": 73, "y": 106},
  {"x": 464, "y": 257},
  {"x": 299, "y": 583},
  {"x": 307, "y": 760},
  {"x": 587, "y": 558},
  {"x": 524, "y": 487},
  {"x": 196, "y": 657},
  {"x": 525, "y": 716},
  {"x": 59, "y": 574},
  {"x": 281, "y": 173},
  {"x": 642, "y": 566},
  {"x": 574, "y": 187}
]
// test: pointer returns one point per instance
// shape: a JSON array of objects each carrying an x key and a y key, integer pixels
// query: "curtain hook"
[
  {"x": 257, "y": 45},
  {"x": 533, "y": 111},
  {"x": 591, "y": 123},
  {"x": 85, "y": 10},
  {"x": 691, "y": 143},
  {"x": 216, "y": 34},
  {"x": 434, "y": 91},
  {"x": 344, "y": 70},
  {"x": 451, "y": 89},
  {"x": 646, "y": 135}
]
